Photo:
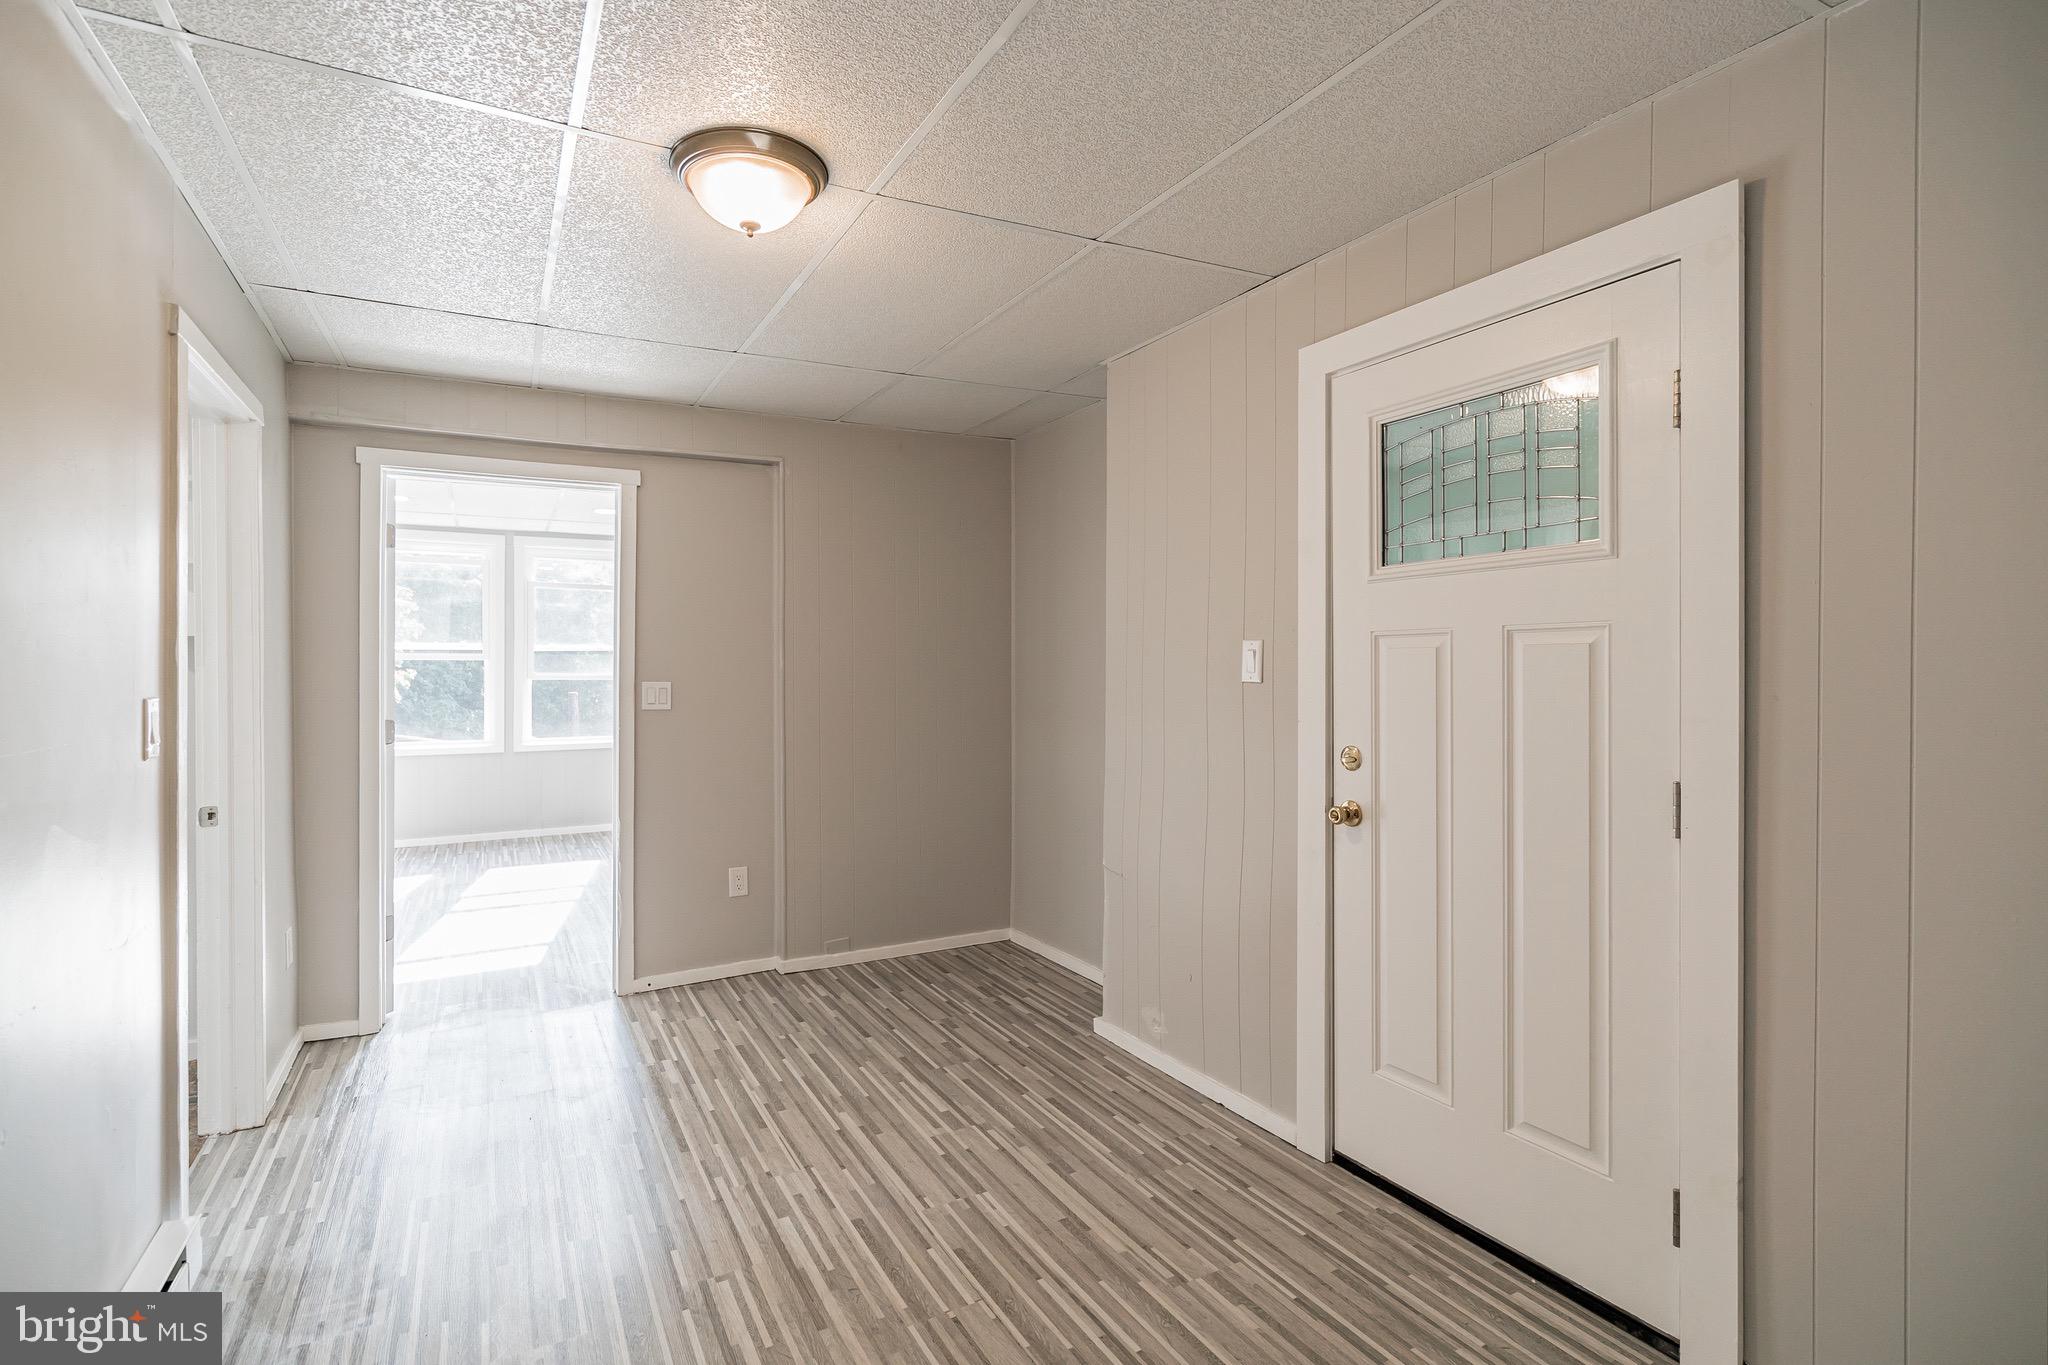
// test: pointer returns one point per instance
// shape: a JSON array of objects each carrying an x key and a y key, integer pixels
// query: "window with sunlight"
[
  {"x": 565, "y": 653},
  {"x": 445, "y": 638}
]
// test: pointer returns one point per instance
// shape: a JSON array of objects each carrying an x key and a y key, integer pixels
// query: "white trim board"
[
  {"x": 1205, "y": 1085},
  {"x": 433, "y": 839},
  {"x": 1703, "y": 236},
  {"x": 282, "y": 1072},
  {"x": 339, "y": 1028},
  {"x": 174, "y": 1241},
  {"x": 1059, "y": 957}
]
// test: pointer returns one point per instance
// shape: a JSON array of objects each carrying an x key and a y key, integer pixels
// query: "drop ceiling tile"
[
  {"x": 177, "y": 114},
  {"x": 792, "y": 388},
  {"x": 1110, "y": 300},
  {"x": 144, "y": 10},
  {"x": 639, "y": 258},
  {"x": 1027, "y": 417},
  {"x": 905, "y": 280},
  {"x": 384, "y": 336},
  {"x": 389, "y": 196},
  {"x": 1093, "y": 382},
  {"x": 515, "y": 56},
  {"x": 1090, "y": 111},
  {"x": 1469, "y": 90},
  {"x": 914, "y": 403},
  {"x": 625, "y": 368},
  {"x": 292, "y": 315},
  {"x": 851, "y": 80}
]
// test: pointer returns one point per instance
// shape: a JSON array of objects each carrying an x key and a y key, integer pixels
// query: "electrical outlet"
[{"x": 735, "y": 881}]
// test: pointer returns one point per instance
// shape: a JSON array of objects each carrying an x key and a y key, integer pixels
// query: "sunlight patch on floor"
[{"x": 503, "y": 920}]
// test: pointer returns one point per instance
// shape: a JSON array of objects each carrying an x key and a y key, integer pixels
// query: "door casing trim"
[{"x": 1703, "y": 236}]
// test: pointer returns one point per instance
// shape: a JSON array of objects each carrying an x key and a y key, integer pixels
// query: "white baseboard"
[
  {"x": 160, "y": 1258},
  {"x": 281, "y": 1073},
  {"x": 501, "y": 834},
  {"x": 340, "y": 1028},
  {"x": 694, "y": 975},
  {"x": 1208, "y": 1086},
  {"x": 911, "y": 949},
  {"x": 1058, "y": 956}
]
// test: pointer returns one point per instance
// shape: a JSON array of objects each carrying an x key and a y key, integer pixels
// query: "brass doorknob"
[{"x": 1350, "y": 813}]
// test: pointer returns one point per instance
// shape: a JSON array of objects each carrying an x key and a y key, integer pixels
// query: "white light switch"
[
  {"x": 654, "y": 696},
  {"x": 735, "y": 881},
  {"x": 1252, "y": 663}
]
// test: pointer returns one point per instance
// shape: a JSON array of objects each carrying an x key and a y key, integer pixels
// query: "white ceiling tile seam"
[
  {"x": 946, "y": 101},
  {"x": 802, "y": 277},
  {"x": 131, "y": 110},
  {"x": 267, "y": 216},
  {"x": 186, "y": 36},
  {"x": 579, "y": 98},
  {"x": 1329, "y": 82},
  {"x": 1026, "y": 292}
]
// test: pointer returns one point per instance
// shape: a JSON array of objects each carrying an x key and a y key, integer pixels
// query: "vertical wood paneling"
[
  {"x": 1977, "y": 1249},
  {"x": 1330, "y": 295},
  {"x": 1819, "y": 123},
  {"x": 1116, "y": 710},
  {"x": 1597, "y": 179},
  {"x": 1774, "y": 135},
  {"x": 1517, "y": 194},
  {"x": 1432, "y": 246},
  {"x": 1184, "y": 817},
  {"x": 1223, "y": 841},
  {"x": 1689, "y": 139},
  {"x": 1866, "y": 695},
  {"x": 1265, "y": 751},
  {"x": 1151, "y": 848},
  {"x": 1293, "y": 329},
  {"x": 1375, "y": 274},
  {"x": 1474, "y": 254}
]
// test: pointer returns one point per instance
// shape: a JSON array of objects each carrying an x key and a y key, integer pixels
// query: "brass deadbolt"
[
  {"x": 1349, "y": 813},
  {"x": 1349, "y": 757}
]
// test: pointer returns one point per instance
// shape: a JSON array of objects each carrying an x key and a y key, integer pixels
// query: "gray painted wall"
[
  {"x": 896, "y": 656},
  {"x": 1897, "y": 1181},
  {"x": 95, "y": 241},
  {"x": 1057, "y": 492}
]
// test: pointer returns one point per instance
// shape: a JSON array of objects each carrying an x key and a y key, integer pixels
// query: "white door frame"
[
  {"x": 1703, "y": 235},
  {"x": 374, "y": 760},
  {"x": 225, "y": 1010}
]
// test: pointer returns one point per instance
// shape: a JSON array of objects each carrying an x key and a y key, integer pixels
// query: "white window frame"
[
  {"x": 1703, "y": 235},
  {"x": 493, "y": 546},
  {"x": 525, "y": 548}
]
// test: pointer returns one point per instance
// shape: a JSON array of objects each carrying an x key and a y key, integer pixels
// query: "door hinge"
[
  {"x": 391, "y": 528},
  {"x": 391, "y": 732},
  {"x": 1677, "y": 397},
  {"x": 1674, "y": 1218},
  {"x": 1677, "y": 810},
  {"x": 390, "y": 927}
]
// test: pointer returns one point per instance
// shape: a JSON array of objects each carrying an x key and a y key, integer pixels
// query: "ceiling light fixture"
[{"x": 749, "y": 179}]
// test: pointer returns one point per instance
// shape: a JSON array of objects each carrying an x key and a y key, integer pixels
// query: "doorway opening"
[{"x": 501, "y": 657}]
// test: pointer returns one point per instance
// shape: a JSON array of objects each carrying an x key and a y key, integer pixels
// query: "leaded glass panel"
[{"x": 1513, "y": 470}]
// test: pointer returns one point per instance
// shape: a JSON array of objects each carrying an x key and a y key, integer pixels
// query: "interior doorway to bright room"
[{"x": 499, "y": 606}]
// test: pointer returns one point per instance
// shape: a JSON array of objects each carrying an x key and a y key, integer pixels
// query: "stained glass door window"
[{"x": 1513, "y": 470}]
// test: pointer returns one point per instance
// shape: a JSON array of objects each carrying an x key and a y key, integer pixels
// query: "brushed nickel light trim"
[{"x": 756, "y": 144}]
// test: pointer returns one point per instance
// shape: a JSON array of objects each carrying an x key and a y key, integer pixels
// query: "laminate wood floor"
[{"x": 928, "y": 1159}]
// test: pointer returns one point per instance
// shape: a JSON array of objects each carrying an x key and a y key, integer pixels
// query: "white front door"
[{"x": 1505, "y": 660}]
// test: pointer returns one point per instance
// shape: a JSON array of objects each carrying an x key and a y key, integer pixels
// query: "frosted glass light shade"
[{"x": 751, "y": 180}]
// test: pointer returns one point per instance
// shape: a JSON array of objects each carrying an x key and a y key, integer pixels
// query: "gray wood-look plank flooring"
[{"x": 929, "y": 1159}]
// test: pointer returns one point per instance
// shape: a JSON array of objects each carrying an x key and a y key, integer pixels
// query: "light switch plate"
[
  {"x": 654, "y": 696},
  {"x": 1252, "y": 663},
  {"x": 735, "y": 881}
]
